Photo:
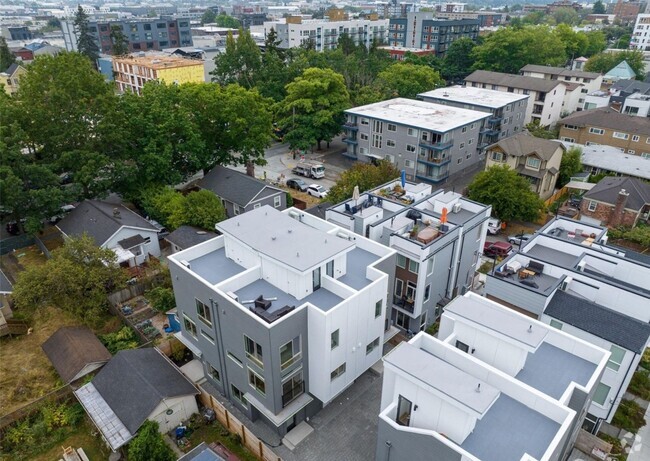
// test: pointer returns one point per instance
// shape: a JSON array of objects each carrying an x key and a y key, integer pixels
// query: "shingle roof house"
[
  {"x": 188, "y": 236},
  {"x": 617, "y": 201},
  {"x": 75, "y": 352},
  {"x": 240, "y": 192},
  {"x": 605, "y": 117}
]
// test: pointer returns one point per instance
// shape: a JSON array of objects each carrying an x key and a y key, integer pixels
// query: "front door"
[
  {"x": 402, "y": 320},
  {"x": 403, "y": 411},
  {"x": 316, "y": 279},
  {"x": 292, "y": 423}
]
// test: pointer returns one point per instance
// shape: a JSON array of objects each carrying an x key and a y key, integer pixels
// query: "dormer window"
[{"x": 533, "y": 163}]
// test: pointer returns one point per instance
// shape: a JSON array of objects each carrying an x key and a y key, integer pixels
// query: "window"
[
  {"x": 253, "y": 351},
  {"x": 291, "y": 388},
  {"x": 376, "y": 141},
  {"x": 600, "y": 396},
  {"x": 256, "y": 381},
  {"x": 290, "y": 353},
  {"x": 390, "y": 143},
  {"x": 472, "y": 126},
  {"x": 635, "y": 138},
  {"x": 631, "y": 151},
  {"x": 616, "y": 358},
  {"x": 462, "y": 346},
  {"x": 408, "y": 163},
  {"x": 372, "y": 346},
  {"x": 464, "y": 130},
  {"x": 534, "y": 163},
  {"x": 392, "y": 127},
  {"x": 190, "y": 326},
  {"x": 497, "y": 156},
  {"x": 556, "y": 324},
  {"x": 236, "y": 209},
  {"x": 277, "y": 201},
  {"x": 399, "y": 287},
  {"x": 619, "y": 135},
  {"x": 414, "y": 266},
  {"x": 204, "y": 312},
  {"x": 160, "y": 25},
  {"x": 410, "y": 148},
  {"x": 430, "y": 266},
  {"x": 470, "y": 142},
  {"x": 459, "y": 161},
  {"x": 427, "y": 293},
  {"x": 235, "y": 359},
  {"x": 378, "y": 306},
  {"x": 462, "y": 145},
  {"x": 329, "y": 268},
  {"x": 401, "y": 261},
  {"x": 468, "y": 156},
  {"x": 239, "y": 395},
  {"x": 364, "y": 121},
  {"x": 334, "y": 339},
  {"x": 412, "y": 132},
  {"x": 207, "y": 336},
  {"x": 592, "y": 206},
  {"x": 596, "y": 131},
  {"x": 257, "y": 205},
  {"x": 337, "y": 372},
  {"x": 364, "y": 137},
  {"x": 214, "y": 373}
]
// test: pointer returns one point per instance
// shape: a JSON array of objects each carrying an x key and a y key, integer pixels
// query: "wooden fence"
[
  {"x": 248, "y": 439},
  {"x": 58, "y": 395}
]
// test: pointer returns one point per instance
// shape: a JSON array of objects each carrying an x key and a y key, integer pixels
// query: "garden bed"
[
  {"x": 214, "y": 432},
  {"x": 629, "y": 416}
]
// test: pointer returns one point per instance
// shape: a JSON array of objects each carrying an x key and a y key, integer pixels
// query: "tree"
[
  {"x": 575, "y": 43},
  {"x": 85, "y": 42},
  {"x": 209, "y": 17},
  {"x": 162, "y": 299},
  {"x": 570, "y": 165},
  {"x": 543, "y": 132},
  {"x": 408, "y": 80},
  {"x": 119, "y": 41},
  {"x": 77, "y": 278},
  {"x": 223, "y": 20},
  {"x": 239, "y": 63},
  {"x": 508, "y": 193},
  {"x": 509, "y": 49},
  {"x": 203, "y": 209},
  {"x": 365, "y": 175},
  {"x": 599, "y": 7},
  {"x": 604, "y": 62},
  {"x": 6, "y": 58},
  {"x": 458, "y": 61},
  {"x": 312, "y": 111},
  {"x": 149, "y": 445},
  {"x": 566, "y": 15},
  {"x": 200, "y": 209}
]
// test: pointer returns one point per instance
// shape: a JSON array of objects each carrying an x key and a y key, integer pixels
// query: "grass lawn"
[
  {"x": 82, "y": 437},
  {"x": 213, "y": 432}
]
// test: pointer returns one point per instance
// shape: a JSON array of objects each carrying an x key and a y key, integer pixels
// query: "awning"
[
  {"x": 286, "y": 413},
  {"x": 580, "y": 185},
  {"x": 187, "y": 343},
  {"x": 131, "y": 242},
  {"x": 378, "y": 157},
  {"x": 123, "y": 255}
]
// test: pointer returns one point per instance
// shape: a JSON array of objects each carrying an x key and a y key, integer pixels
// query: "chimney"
[
  {"x": 116, "y": 213},
  {"x": 616, "y": 216}
]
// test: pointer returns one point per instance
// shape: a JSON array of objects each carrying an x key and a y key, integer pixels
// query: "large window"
[
  {"x": 371, "y": 347},
  {"x": 334, "y": 339},
  {"x": 616, "y": 358},
  {"x": 399, "y": 287},
  {"x": 534, "y": 163},
  {"x": 619, "y": 135},
  {"x": 292, "y": 388},
  {"x": 414, "y": 266},
  {"x": 239, "y": 395},
  {"x": 556, "y": 324},
  {"x": 290, "y": 353},
  {"x": 378, "y": 306},
  {"x": 600, "y": 396},
  {"x": 592, "y": 205},
  {"x": 203, "y": 312},
  {"x": 596, "y": 131},
  {"x": 256, "y": 381},
  {"x": 401, "y": 261},
  {"x": 190, "y": 326},
  {"x": 277, "y": 201},
  {"x": 214, "y": 373},
  {"x": 337, "y": 372},
  {"x": 254, "y": 351}
]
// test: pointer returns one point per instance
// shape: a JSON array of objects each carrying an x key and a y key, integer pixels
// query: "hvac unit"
[
  {"x": 565, "y": 283},
  {"x": 581, "y": 266},
  {"x": 457, "y": 207}
]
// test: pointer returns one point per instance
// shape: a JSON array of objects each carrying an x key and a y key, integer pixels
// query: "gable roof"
[
  {"x": 134, "y": 382},
  {"x": 631, "y": 86},
  {"x": 233, "y": 186},
  {"x": 70, "y": 349},
  {"x": 12, "y": 69},
  {"x": 558, "y": 71},
  {"x": 523, "y": 144},
  {"x": 620, "y": 329},
  {"x": 605, "y": 117},
  {"x": 607, "y": 190},
  {"x": 515, "y": 81},
  {"x": 188, "y": 236},
  {"x": 621, "y": 70},
  {"x": 319, "y": 209},
  {"x": 100, "y": 220}
]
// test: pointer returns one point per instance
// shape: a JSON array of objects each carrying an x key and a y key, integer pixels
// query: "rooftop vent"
[{"x": 116, "y": 213}]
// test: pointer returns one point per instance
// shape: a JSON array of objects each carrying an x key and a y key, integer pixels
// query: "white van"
[{"x": 494, "y": 226}]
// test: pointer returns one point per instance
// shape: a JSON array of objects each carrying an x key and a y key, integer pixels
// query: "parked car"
[
  {"x": 519, "y": 239},
  {"x": 494, "y": 226},
  {"x": 298, "y": 184},
  {"x": 497, "y": 249},
  {"x": 317, "y": 191}
]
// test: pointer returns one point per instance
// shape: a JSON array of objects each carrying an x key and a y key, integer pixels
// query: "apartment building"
[
  {"x": 485, "y": 18},
  {"x": 606, "y": 126},
  {"x": 546, "y": 96},
  {"x": 284, "y": 310},
  {"x": 324, "y": 34},
  {"x": 495, "y": 386},
  {"x": 142, "y": 34},
  {"x": 438, "y": 236},
  {"x": 538, "y": 160},
  {"x": 507, "y": 110},
  {"x": 640, "y": 39},
  {"x": 567, "y": 277},
  {"x": 428, "y": 141},
  {"x": 131, "y": 73},
  {"x": 423, "y": 30}
]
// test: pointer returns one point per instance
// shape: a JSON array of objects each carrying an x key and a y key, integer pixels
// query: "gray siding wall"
[
  {"x": 513, "y": 294},
  {"x": 407, "y": 446},
  {"x": 267, "y": 197}
]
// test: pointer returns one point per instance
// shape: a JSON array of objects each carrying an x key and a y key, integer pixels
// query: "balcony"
[
  {"x": 436, "y": 145},
  {"x": 404, "y": 303},
  {"x": 348, "y": 140},
  {"x": 488, "y": 131},
  {"x": 433, "y": 179},
  {"x": 432, "y": 161},
  {"x": 353, "y": 126},
  {"x": 494, "y": 120},
  {"x": 293, "y": 393}
]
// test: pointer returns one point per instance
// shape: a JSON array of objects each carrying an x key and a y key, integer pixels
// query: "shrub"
[
  {"x": 162, "y": 299},
  {"x": 120, "y": 340},
  {"x": 149, "y": 445},
  {"x": 629, "y": 416},
  {"x": 640, "y": 384}
]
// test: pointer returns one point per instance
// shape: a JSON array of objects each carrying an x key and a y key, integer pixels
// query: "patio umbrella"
[
  {"x": 403, "y": 178},
  {"x": 355, "y": 195}
]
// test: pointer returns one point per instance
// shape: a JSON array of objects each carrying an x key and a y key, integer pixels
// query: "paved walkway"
[{"x": 641, "y": 446}]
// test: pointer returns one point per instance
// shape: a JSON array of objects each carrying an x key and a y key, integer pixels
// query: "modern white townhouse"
[
  {"x": 495, "y": 386},
  {"x": 507, "y": 110},
  {"x": 284, "y": 310},
  {"x": 428, "y": 141},
  {"x": 567, "y": 277},
  {"x": 546, "y": 96},
  {"x": 437, "y": 235}
]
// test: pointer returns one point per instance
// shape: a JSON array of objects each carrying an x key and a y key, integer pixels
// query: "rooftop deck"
[
  {"x": 551, "y": 255},
  {"x": 321, "y": 298},
  {"x": 508, "y": 430},
  {"x": 358, "y": 261},
  {"x": 540, "y": 283},
  {"x": 551, "y": 370},
  {"x": 215, "y": 267}
]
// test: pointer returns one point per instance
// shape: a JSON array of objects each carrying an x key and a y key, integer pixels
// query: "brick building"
[{"x": 617, "y": 201}]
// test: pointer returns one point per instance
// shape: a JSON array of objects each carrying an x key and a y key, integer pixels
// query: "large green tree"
[
  {"x": 365, "y": 175},
  {"x": 604, "y": 62},
  {"x": 199, "y": 208},
  {"x": 119, "y": 41},
  {"x": 6, "y": 58},
  {"x": 312, "y": 111},
  {"x": 240, "y": 62},
  {"x": 77, "y": 278},
  {"x": 223, "y": 20},
  {"x": 570, "y": 165},
  {"x": 566, "y": 15},
  {"x": 599, "y": 7},
  {"x": 408, "y": 80},
  {"x": 508, "y": 193},
  {"x": 149, "y": 445},
  {"x": 458, "y": 61},
  {"x": 85, "y": 42},
  {"x": 509, "y": 49},
  {"x": 209, "y": 17}
]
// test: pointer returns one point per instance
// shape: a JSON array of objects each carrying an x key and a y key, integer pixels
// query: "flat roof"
[
  {"x": 321, "y": 298},
  {"x": 279, "y": 236},
  {"x": 444, "y": 377},
  {"x": 475, "y": 96},
  {"x": 162, "y": 61},
  {"x": 553, "y": 256},
  {"x": 612, "y": 159},
  {"x": 215, "y": 267},
  {"x": 419, "y": 114}
]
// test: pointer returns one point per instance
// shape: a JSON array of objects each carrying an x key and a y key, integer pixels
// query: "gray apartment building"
[
  {"x": 142, "y": 34},
  {"x": 422, "y": 30},
  {"x": 283, "y": 309},
  {"x": 507, "y": 110},
  {"x": 438, "y": 236},
  {"x": 428, "y": 141}
]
